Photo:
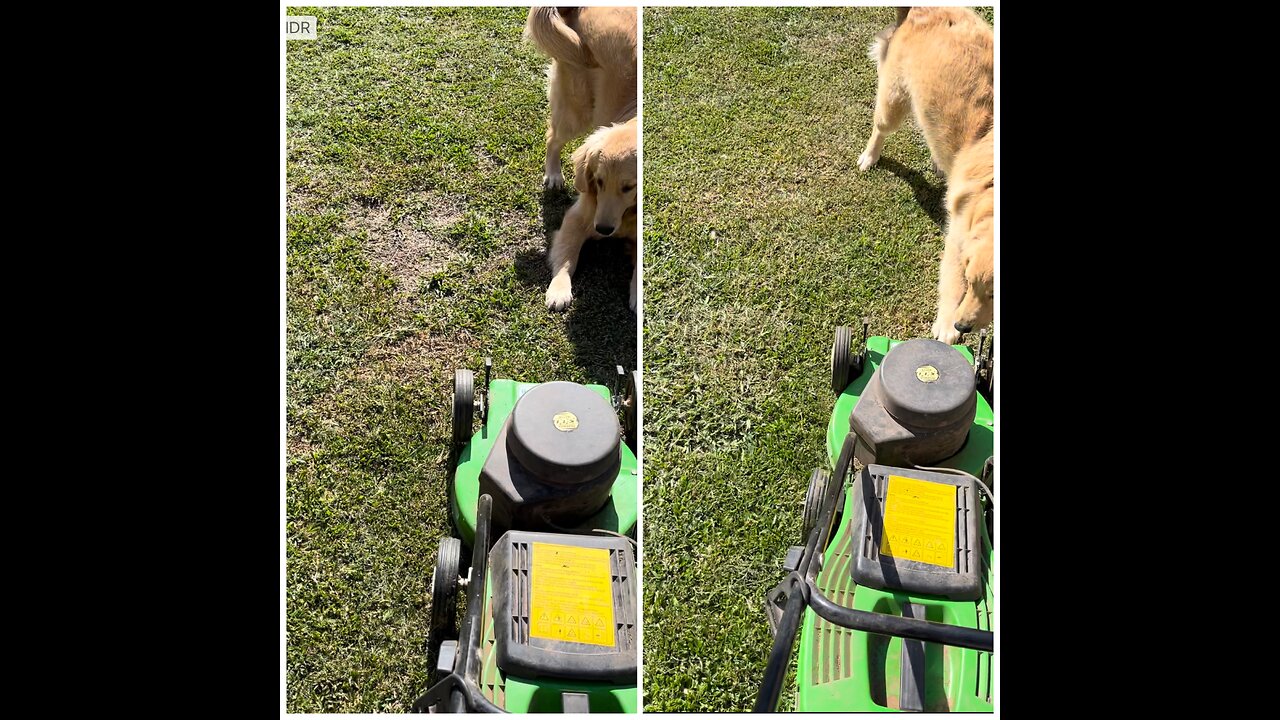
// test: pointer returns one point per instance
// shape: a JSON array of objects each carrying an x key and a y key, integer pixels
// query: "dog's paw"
[
  {"x": 559, "y": 296},
  {"x": 865, "y": 161},
  {"x": 945, "y": 332},
  {"x": 552, "y": 181}
]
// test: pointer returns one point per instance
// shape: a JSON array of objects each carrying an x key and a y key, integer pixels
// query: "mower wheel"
[
  {"x": 818, "y": 482},
  {"x": 464, "y": 396},
  {"x": 841, "y": 359},
  {"x": 444, "y": 587},
  {"x": 631, "y": 410}
]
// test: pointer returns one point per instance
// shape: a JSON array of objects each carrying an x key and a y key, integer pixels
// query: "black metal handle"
[
  {"x": 471, "y": 623},
  {"x": 802, "y": 591},
  {"x": 453, "y": 695},
  {"x": 903, "y": 627},
  {"x": 459, "y": 690},
  {"x": 780, "y": 655},
  {"x": 775, "y": 671}
]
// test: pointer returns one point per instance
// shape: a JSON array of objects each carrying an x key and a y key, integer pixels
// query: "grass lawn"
[
  {"x": 416, "y": 236},
  {"x": 760, "y": 237}
]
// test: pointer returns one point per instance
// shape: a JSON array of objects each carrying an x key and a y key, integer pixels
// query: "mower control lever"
[
  {"x": 484, "y": 399},
  {"x": 619, "y": 377}
]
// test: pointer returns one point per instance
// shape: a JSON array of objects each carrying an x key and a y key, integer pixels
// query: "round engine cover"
[
  {"x": 564, "y": 433},
  {"x": 927, "y": 384}
]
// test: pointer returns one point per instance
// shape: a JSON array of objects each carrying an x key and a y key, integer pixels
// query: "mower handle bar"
[
  {"x": 804, "y": 591},
  {"x": 459, "y": 691}
]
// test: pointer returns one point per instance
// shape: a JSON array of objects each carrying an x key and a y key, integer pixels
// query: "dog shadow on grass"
[
  {"x": 555, "y": 203},
  {"x": 599, "y": 323},
  {"x": 931, "y": 197}
]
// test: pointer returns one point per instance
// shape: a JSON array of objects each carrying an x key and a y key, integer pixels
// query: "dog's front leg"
[
  {"x": 892, "y": 107},
  {"x": 951, "y": 285},
  {"x": 565, "y": 248}
]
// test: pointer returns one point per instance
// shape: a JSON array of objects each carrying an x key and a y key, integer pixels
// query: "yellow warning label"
[
  {"x": 565, "y": 421},
  {"x": 926, "y": 373},
  {"x": 572, "y": 596},
  {"x": 920, "y": 521}
]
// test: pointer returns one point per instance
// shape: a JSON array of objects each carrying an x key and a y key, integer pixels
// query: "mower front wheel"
[
  {"x": 818, "y": 482},
  {"x": 841, "y": 359},
  {"x": 444, "y": 588},
  {"x": 464, "y": 405}
]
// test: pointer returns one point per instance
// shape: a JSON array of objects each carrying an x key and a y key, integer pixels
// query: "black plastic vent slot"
[
  {"x": 520, "y": 584},
  {"x": 624, "y": 622}
]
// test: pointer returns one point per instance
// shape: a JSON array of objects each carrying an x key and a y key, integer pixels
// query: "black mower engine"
[
  {"x": 918, "y": 406},
  {"x": 555, "y": 460}
]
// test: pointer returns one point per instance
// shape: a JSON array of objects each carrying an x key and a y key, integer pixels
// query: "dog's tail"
[
  {"x": 880, "y": 45},
  {"x": 547, "y": 28}
]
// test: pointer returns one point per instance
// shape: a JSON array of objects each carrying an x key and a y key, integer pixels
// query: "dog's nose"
[
  {"x": 963, "y": 326},
  {"x": 605, "y": 230}
]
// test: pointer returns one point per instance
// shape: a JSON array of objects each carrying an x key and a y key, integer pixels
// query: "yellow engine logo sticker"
[
  {"x": 572, "y": 594},
  {"x": 926, "y": 373},
  {"x": 920, "y": 522},
  {"x": 565, "y": 421}
]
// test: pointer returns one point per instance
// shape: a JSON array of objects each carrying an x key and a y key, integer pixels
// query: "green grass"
[
  {"x": 760, "y": 237},
  {"x": 416, "y": 236}
]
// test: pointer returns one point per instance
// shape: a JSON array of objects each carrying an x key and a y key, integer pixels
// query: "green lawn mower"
[
  {"x": 550, "y": 620},
  {"x": 892, "y": 593}
]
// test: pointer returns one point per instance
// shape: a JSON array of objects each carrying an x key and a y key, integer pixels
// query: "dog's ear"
[
  {"x": 585, "y": 160},
  {"x": 970, "y": 203},
  {"x": 958, "y": 201}
]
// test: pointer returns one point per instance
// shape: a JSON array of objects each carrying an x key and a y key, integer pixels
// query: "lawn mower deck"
[
  {"x": 892, "y": 593},
  {"x": 545, "y": 494}
]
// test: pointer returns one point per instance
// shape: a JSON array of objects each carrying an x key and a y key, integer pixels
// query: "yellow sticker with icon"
[
  {"x": 565, "y": 421},
  {"x": 571, "y": 598},
  {"x": 920, "y": 521},
  {"x": 926, "y": 373}
]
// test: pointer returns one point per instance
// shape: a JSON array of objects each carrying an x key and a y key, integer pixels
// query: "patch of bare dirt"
[
  {"x": 297, "y": 447},
  {"x": 302, "y": 200},
  {"x": 409, "y": 237}
]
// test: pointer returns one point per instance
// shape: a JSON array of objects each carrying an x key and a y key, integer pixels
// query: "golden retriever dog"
[
  {"x": 604, "y": 171},
  {"x": 938, "y": 63},
  {"x": 591, "y": 84}
]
